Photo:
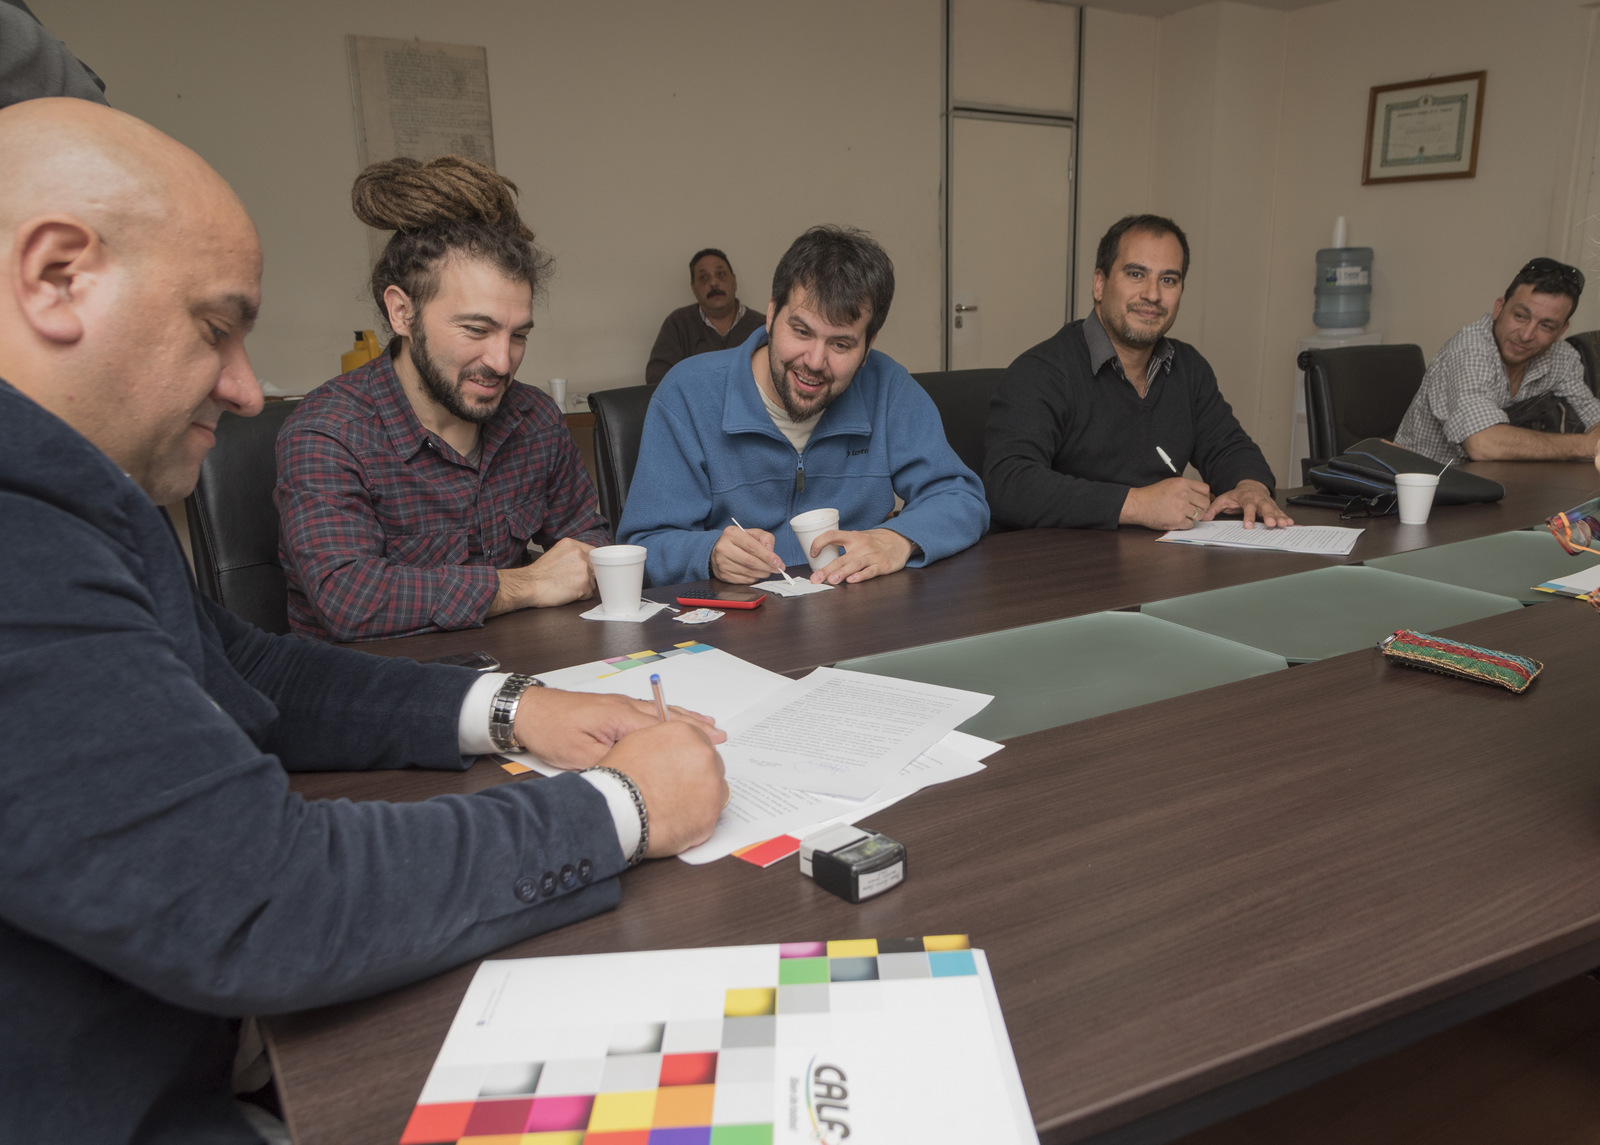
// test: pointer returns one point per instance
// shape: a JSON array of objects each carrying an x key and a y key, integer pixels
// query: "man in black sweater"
[{"x": 1092, "y": 428}]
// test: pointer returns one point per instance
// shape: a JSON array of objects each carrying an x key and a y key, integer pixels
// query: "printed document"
[
  {"x": 843, "y": 733},
  {"x": 1319, "y": 540}
]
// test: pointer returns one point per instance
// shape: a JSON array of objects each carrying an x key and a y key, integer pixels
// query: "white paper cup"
[
  {"x": 1416, "y": 496},
  {"x": 619, "y": 572},
  {"x": 558, "y": 391},
  {"x": 808, "y": 527}
]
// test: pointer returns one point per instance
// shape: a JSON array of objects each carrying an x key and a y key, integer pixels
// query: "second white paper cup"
[
  {"x": 619, "y": 572},
  {"x": 808, "y": 527},
  {"x": 1416, "y": 496}
]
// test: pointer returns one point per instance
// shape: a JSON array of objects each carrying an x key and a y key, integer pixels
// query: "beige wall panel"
[
  {"x": 1014, "y": 53},
  {"x": 1114, "y": 152},
  {"x": 1239, "y": 231},
  {"x": 638, "y": 132},
  {"x": 1443, "y": 250},
  {"x": 1180, "y": 167}
]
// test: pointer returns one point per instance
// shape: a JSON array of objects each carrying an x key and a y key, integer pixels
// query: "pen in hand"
[
  {"x": 661, "y": 699},
  {"x": 746, "y": 532},
  {"x": 1168, "y": 460}
]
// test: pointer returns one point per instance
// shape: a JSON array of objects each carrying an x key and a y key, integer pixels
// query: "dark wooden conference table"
[{"x": 1190, "y": 907}]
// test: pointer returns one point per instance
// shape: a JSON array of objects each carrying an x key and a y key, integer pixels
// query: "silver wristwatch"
[{"x": 503, "y": 711}]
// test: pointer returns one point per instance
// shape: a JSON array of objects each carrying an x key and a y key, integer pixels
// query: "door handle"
[{"x": 963, "y": 308}]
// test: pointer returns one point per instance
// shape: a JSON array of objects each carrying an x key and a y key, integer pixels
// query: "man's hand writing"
[
  {"x": 574, "y": 729},
  {"x": 680, "y": 777},
  {"x": 744, "y": 556},
  {"x": 1176, "y": 503}
]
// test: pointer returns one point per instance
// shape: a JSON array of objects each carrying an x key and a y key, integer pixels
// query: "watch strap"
[{"x": 503, "y": 711}]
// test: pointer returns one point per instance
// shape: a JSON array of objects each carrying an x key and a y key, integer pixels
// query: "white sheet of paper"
[
  {"x": 759, "y": 811},
  {"x": 843, "y": 733},
  {"x": 1576, "y": 584},
  {"x": 646, "y": 610},
  {"x": 1321, "y": 540},
  {"x": 580, "y": 1013},
  {"x": 801, "y": 587},
  {"x": 713, "y": 682}
]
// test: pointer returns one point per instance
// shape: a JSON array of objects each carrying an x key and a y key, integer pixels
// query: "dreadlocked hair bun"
[{"x": 408, "y": 196}]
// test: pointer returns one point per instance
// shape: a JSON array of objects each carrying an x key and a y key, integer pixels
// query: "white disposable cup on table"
[
  {"x": 558, "y": 391},
  {"x": 619, "y": 573},
  {"x": 1416, "y": 496},
  {"x": 808, "y": 527}
]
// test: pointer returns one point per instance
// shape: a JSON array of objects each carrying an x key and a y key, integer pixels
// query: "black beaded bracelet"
[{"x": 638, "y": 805}]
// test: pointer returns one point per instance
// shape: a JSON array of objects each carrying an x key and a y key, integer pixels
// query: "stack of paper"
[
  {"x": 782, "y": 1044},
  {"x": 1578, "y": 584},
  {"x": 1320, "y": 540},
  {"x": 834, "y": 747}
]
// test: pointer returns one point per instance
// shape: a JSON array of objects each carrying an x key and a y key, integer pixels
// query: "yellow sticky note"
[
  {"x": 630, "y": 1110},
  {"x": 750, "y": 1003},
  {"x": 853, "y": 948}
]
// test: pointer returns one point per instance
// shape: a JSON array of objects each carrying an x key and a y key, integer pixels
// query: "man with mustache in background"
[
  {"x": 715, "y": 320},
  {"x": 409, "y": 489},
  {"x": 1093, "y": 428}
]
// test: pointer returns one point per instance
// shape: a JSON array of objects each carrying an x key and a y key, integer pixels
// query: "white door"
[{"x": 1010, "y": 237}]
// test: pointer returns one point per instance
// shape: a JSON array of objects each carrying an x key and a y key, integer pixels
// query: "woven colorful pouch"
[{"x": 1453, "y": 658}]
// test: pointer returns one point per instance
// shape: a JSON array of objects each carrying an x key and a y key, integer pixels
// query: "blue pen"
[{"x": 661, "y": 700}]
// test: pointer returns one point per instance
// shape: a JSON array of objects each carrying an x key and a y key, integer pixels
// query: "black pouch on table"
[
  {"x": 1546, "y": 413},
  {"x": 1368, "y": 467}
]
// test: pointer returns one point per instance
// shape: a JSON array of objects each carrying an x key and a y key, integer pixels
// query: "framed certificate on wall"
[{"x": 1426, "y": 129}]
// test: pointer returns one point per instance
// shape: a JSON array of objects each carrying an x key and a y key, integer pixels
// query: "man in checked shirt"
[
  {"x": 1511, "y": 354},
  {"x": 409, "y": 489}
]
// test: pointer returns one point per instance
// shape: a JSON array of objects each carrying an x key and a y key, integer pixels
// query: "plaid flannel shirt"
[
  {"x": 386, "y": 530},
  {"x": 1466, "y": 390}
]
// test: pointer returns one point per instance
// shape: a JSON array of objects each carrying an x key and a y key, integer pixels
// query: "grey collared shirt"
[
  {"x": 737, "y": 318},
  {"x": 1466, "y": 391},
  {"x": 1101, "y": 350}
]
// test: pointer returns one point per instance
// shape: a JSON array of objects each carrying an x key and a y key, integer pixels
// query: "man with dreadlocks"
[{"x": 411, "y": 488}]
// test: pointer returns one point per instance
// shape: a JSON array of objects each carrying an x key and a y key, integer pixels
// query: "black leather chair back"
[
  {"x": 1357, "y": 392},
  {"x": 233, "y": 524},
  {"x": 962, "y": 397},
  {"x": 618, "y": 428},
  {"x": 1588, "y": 346}
]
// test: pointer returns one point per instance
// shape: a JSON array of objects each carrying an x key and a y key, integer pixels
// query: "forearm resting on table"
[{"x": 1513, "y": 443}]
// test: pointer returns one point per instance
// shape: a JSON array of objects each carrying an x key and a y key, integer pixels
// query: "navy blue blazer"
[{"x": 157, "y": 877}]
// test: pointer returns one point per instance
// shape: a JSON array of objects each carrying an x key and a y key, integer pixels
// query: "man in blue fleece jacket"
[
  {"x": 158, "y": 879},
  {"x": 805, "y": 415}
]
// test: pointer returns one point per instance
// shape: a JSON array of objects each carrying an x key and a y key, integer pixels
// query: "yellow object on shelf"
[{"x": 366, "y": 349}]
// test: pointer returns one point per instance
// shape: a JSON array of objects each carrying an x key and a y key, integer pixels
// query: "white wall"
[
  {"x": 1114, "y": 152},
  {"x": 1255, "y": 145},
  {"x": 637, "y": 131}
]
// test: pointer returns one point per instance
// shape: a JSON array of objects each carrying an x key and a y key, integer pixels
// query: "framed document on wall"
[{"x": 1426, "y": 129}]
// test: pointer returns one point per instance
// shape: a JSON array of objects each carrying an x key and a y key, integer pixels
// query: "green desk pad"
[
  {"x": 1507, "y": 563},
  {"x": 1046, "y": 675},
  {"x": 1311, "y": 615}
]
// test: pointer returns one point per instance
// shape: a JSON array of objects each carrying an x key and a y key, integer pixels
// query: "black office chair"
[
  {"x": 618, "y": 426},
  {"x": 233, "y": 524},
  {"x": 1356, "y": 392},
  {"x": 962, "y": 397},
  {"x": 1588, "y": 346}
]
